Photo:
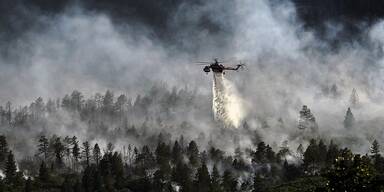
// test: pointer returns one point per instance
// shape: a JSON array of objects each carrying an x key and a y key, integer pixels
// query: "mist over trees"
[
  {"x": 140, "y": 150},
  {"x": 180, "y": 165}
]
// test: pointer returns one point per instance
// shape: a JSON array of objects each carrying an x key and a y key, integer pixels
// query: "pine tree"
[
  {"x": 110, "y": 147},
  {"x": 322, "y": 150},
  {"x": 203, "y": 180},
  {"x": 229, "y": 183},
  {"x": 108, "y": 102},
  {"x": 181, "y": 174},
  {"x": 96, "y": 154},
  {"x": 378, "y": 160},
  {"x": 163, "y": 153},
  {"x": 176, "y": 152},
  {"x": 354, "y": 100},
  {"x": 334, "y": 92},
  {"x": 67, "y": 142},
  {"x": 10, "y": 169},
  {"x": 311, "y": 156},
  {"x": 86, "y": 152},
  {"x": 193, "y": 153},
  {"x": 215, "y": 180},
  {"x": 300, "y": 151},
  {"x": 3, "y": 148},
  {"x": 116, "y": 169},
  {"x": 59, "y": 150},
  {"x": 8, "y": 108},
  {"x": 66, "y": 102},
  {"x": 144, "y": 160},
  {"x": 349, "y": 120},
  {"x": 332, "y": 153},
  {"x": 76, "y": 152},
  {"x": 260, "y": 155},
  {"x": 43, "y": 147},
  {"x": 76, "y": 100},
  {"x": 270, "y": 154},
  {"x": 375, "y": 148},
  {"x": 307, "y": 120}
]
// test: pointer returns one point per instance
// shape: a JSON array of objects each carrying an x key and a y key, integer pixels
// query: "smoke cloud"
[{"x": 288, "y": 66}]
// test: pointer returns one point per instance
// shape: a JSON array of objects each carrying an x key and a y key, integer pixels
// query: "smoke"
[
  {"x": 228, "y": 106},
  {"x": 287, "y": 67}
]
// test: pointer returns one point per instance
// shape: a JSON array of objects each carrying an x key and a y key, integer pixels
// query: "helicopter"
[{"x": 217, "y": 67}]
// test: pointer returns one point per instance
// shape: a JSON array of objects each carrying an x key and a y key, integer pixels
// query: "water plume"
[{"x": 228, "y": 106}]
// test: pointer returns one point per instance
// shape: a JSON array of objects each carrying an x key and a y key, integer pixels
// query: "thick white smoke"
[
  {"x": 286, "y": 70},
  {"x": 228, "y": 106}
]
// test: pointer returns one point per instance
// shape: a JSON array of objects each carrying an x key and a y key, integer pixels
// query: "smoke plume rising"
[{"x": 86, "y": 47}]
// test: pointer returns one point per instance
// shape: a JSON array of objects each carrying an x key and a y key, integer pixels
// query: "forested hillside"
[{"x": 146, "y": 148}]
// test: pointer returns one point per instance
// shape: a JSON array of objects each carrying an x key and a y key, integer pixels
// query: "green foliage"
[
  {"x": 351, "y": 173},
  {"x": 307, "y": 184}
]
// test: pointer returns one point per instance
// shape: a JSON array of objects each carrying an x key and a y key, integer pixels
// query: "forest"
[{"x": 153, "y": 157}]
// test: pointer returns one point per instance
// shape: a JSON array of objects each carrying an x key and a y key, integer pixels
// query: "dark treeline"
[{"x": 67, "y": 164}]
